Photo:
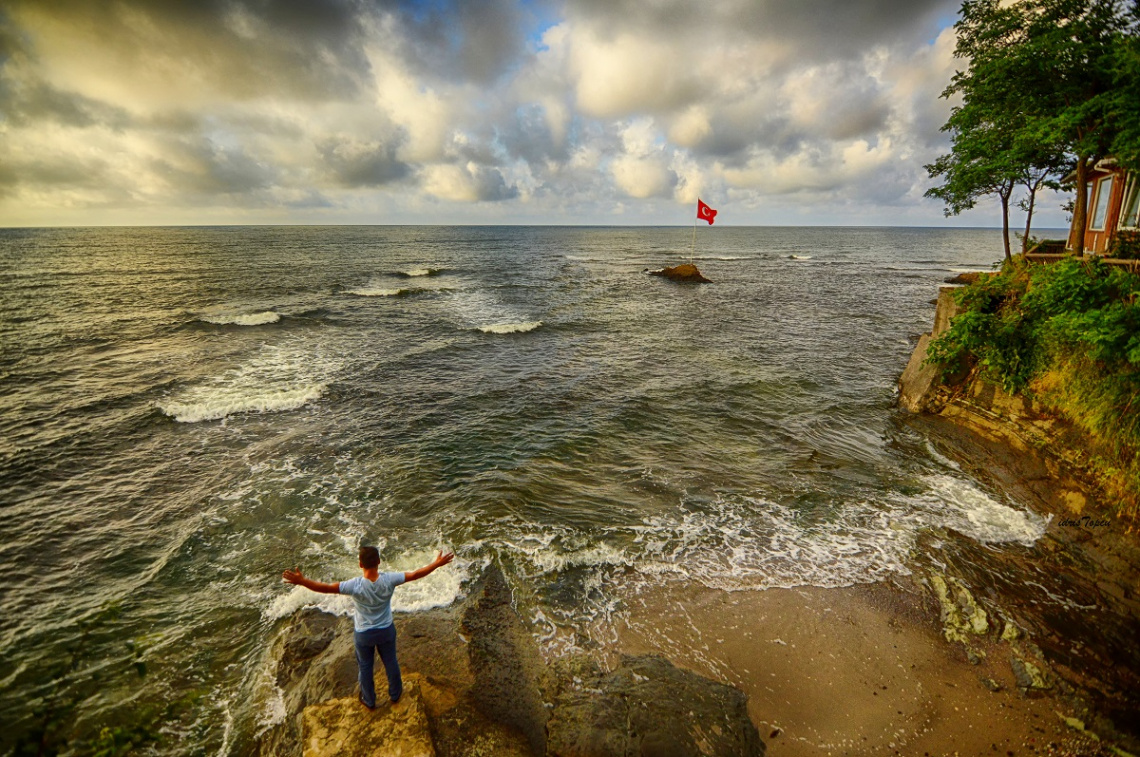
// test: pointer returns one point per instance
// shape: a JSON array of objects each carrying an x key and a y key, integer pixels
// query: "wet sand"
[{"x": 855, "y": 671}]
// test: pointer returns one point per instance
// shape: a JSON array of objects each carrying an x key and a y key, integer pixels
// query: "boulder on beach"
[{"x": 685, "y": 273}]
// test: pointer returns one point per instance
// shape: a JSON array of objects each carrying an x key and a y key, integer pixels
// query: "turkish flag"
[{"x": 704, "y": 212}]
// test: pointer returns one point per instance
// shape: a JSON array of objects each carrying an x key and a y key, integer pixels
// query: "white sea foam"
[
  {"x": 800, "y": 257},
  {"x": 962, "y": 506},
  {"x": 935, "y": 454},
  {"x": 245, "y": 319},
  {"x": 510, "y": 328},
  {"x": 753, "y": 543},
  {"x": 275, "y": 379},
  {"x": 437, "y": 590},
  {"x": 375, "y": 292},
  {"x": 415, "y": 272},
  {"x": 223, "y": 403}
]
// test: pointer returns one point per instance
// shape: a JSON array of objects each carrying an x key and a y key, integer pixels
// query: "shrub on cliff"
[{"x": 1068, "y": 335}]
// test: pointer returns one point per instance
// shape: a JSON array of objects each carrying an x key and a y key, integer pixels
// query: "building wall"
[{"x": 1098, "y": 240}]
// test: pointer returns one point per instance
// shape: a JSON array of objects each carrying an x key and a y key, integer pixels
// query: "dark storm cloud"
[
  {"x": 49, "y": 173},
  {"x": 490, "y": 186},
  {"x": 37, "y": 102},
  {"x": 460, "y": 40},
  {"x": 202, "y": 166},
  {"x": 355, "y": 164},
  {"x": 246, "y": 48},
  {"x": 526, "y": 135}
]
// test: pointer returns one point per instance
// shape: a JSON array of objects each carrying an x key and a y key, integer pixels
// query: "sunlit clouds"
[{"x": 329, "y": 111}]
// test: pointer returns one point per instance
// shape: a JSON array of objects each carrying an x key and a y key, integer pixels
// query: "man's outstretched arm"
[
  {"x": 440, "y": 560},
  {"x": 295, "y": 577}
]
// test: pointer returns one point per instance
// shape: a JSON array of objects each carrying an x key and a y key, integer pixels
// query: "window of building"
[
  {"x": 1130, "y": 218},
  {"x": 1100, "y": 212}
]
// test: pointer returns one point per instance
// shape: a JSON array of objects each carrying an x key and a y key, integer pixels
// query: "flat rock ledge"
[
  {"x": 475, "y": 683},
  {"x": 345, "y": 728}
]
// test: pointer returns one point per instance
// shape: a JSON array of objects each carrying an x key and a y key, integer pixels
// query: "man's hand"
[
  {"x": 442, "y": 559},
  {"x": 297, "y": 579}
]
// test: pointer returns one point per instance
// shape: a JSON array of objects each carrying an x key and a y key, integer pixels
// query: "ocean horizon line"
[{"x": 506, "y": 225}]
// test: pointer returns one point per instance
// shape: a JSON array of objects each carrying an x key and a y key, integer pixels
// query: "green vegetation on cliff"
[{"x": 1068, "y": 336}]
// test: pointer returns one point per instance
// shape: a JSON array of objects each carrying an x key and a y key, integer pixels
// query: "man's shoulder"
[{"x": 351, "y": 586}]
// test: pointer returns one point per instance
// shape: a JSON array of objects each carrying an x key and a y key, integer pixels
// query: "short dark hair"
[{"x": 369, "y": 557}]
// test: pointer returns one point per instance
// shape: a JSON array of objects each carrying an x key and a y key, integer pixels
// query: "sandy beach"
[{"x": 852, "y": 671}]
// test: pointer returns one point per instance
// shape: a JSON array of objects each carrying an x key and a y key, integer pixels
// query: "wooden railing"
[{"x": 1048, "y": 257}]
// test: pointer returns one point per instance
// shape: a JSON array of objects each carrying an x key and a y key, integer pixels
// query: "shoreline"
[{"x": 862, "y": 670}]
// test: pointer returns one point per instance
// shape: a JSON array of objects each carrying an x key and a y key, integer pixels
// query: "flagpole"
[{"x": 693, "y": 249}]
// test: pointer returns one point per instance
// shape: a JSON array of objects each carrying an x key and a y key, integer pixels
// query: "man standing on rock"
[{"x": 375, "y": 631}]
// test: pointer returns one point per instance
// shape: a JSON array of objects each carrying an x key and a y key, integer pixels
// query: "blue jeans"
[{"x": 382, "y": 640}]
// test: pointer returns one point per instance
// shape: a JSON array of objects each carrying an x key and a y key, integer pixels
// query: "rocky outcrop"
[
  {"x": 685, "y": 273},
  {"x": 921, "y": 380},
  {"x": 345, "y": 728},
  {"x": 646, "y": 706},
  {"x": 476, "y": 683},
  {"x": 969, "y": 277},
  {"x": 1013, "y": 444},
  {"x": 505, "y": 662}
]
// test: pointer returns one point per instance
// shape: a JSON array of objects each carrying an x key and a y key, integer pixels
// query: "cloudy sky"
[{"x": 474, "y": 111}]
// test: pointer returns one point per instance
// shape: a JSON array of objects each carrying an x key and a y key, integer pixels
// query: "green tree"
[
  {"x": 1125, "y": 100},
  {"x": 1074, "y": 93},
  {"x": 997, "y": 139},
  {"x": 1040, "y": 82},
  {"x": 975, "y": 167}
]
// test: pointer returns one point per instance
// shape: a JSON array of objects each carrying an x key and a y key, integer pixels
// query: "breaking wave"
[
  {"x": 276, "y": 379},
  {"x": 245, "y": 319},
  {"x": 510, "y": 328},
  {"x": 376, "y": 292},
  {"x": 222, "y": 404}
]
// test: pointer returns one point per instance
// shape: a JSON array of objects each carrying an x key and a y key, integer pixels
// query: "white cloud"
[{"x": 330, "y": 111}]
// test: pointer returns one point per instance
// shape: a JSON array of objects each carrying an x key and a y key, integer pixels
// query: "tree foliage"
[
  {"x": 1067, "y": 334},
  {"x": 1041, "y": 93}
]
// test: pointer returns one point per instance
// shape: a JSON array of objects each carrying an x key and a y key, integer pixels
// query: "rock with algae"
[
  {"x": 961, "y": 614},
  {"x": 1029, "y": 677}
]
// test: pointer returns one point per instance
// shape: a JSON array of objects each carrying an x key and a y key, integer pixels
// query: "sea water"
[{"x": 185, "y": 412}]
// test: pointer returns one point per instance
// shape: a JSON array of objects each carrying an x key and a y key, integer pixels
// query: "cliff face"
[
  {"x": 1016, "y": 446},
  {"x": 969, "y": 401},
  {"x": 919, "y": 383}
]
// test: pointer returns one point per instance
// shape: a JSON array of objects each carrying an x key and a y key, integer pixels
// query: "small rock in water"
[{"x": 686, "y": 272}]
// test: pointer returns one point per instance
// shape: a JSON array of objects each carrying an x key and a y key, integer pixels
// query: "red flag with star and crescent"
[{"x": 704, "y": 212}]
